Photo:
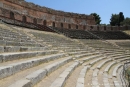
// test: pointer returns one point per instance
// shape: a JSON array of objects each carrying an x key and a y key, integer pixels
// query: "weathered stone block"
[
  {"x": 22, "y": 83},
  {"x": 12, "y": 48},
  {"x": 5, "y": 71},
  {"x": 35, "y": 77}
]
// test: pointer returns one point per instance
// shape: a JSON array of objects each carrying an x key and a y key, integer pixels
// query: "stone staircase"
[{"x": 47, "y": 59}]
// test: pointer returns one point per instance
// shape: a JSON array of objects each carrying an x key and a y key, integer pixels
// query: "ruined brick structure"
[{"x": 29, "y": 12}]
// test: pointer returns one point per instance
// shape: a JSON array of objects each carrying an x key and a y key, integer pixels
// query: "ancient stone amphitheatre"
[{"x": 59, "y": 54}]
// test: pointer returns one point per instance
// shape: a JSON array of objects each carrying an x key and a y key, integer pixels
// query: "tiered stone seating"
[
  {"x": 10, "y": 37},
  {"x": 60, "y": 81},
  {"x": 36, "y": 63},
  {"x": 109, "y": 66},
  {"x": 76, "y": 33},
  {"x": 58, "y": 61},
  {"x": 80, "y": 81},
  {"x": 125, "y": 44},
  {"x": 111, "y": 34},
  {"x": 82, "y": 34}
]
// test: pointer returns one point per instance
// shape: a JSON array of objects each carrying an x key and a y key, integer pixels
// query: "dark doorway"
[
  {"x": 61, "y": 25},
  {"x": 53, "y": 24},
  {"x": 76, "y": 26},
  {"x": 104, "y": 27},
  {"x": 35, "y": 21},
  {"x": 44, "y": 22},
  {"x": 84, "y": 27},
  {"x": 24, "y": 18},
  {"x": 12, "y": 15},
  {"x": 69, "y": 26}
]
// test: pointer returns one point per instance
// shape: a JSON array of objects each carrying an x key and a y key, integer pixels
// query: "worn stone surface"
[
  {"x": 35, "y": 77},
  {"x": 22, "y": 83}
]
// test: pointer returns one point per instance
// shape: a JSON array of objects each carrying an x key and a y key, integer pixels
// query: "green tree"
[
  {"x": 114, "y": 19},
  {"x": 97, "y": 18},
  {"x": 126, "y": 21},
  {"x": 121, "y": 18}
]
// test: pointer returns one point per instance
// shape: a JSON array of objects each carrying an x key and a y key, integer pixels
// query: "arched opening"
[
  {"x": 61, "y": 25},
  {"x": 104, "y": 27},
  {"x": 76, "y": 26},
  {"x": 84, "y": 27},
  {"x": 91, "y": 27},
  {"x": 24, "y": 19},
  {"x": 44, "y": 22},
  {"x": 69, "y": 26},
  {"x": 53, "y": 24},
  {"x": 35, "y": 21},
  {"x": 12, "y": 15}
]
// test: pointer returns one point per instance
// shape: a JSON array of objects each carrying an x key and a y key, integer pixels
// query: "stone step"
[
  {"x": 115, "y": 55},
  {"x": 110, "y": 49},
  {"x": 10, "y": 69},
  {"x": 72, "y": 79},
  {"x": 40, "y": 74},
  {"x": 120, "y": 57},
  {"x": 81, "y": 78},
  {"x": 120, "y": 77},
  {"x": 74, "y": 50},
  {"x": 47, "y": 80},
  {"x": 95, "y": 72},
  {"x": 95, "y": 79},
  {"x": 81, "y": 56},
  {"x": 101, "y": 64},
  {"x": 60, "y": 81},
  {"x": 10, "y": 39},
  {"x": 80, "y": 52},
  {"x": 109, "y": 66},
  {"x": 20, "y": 48},
  {"x": 116, "y": 84},
  {"x": 114, "y": 73},
  {"x": 90, "y": 57},
  {"x": 105, "y": 80},
  {"x": 4, "y": 57},
  {"x": 112, "y": 52},
  {"x": 13, "y": 43},
  {"x": 96, "y": 60}
]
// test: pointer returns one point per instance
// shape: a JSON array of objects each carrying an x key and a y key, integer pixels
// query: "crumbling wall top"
[{"x": 48, "y": 10}]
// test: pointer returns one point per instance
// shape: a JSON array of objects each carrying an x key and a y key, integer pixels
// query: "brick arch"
[
  {"x": 24, "y": 18},
  {"x": 45, "y": 22},
  {"x": 105, "y": 28},
  {"x": 35, "y": 21},
  {"x": 69, "y": 26},
  {"x": 12, "y": 15},
  {"x": 53, "y": 24},
  {"x": 61, "y": 25},
  {"x": 77, "y": 26},
  {"x": 84, "y": 27}
]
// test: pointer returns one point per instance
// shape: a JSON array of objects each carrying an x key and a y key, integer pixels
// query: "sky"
[{"x": 104, "y": 8}]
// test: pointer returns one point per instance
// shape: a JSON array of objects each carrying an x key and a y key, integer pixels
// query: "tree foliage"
[
  {"x": 121, "y": 17},
  {"x": 126, "y": 21},
  {"x": 97, "y": 18},
  {"x": 116, "y": 19}
]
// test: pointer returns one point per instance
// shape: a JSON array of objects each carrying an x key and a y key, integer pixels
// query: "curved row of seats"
[{"x": 60, "y": 62}]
